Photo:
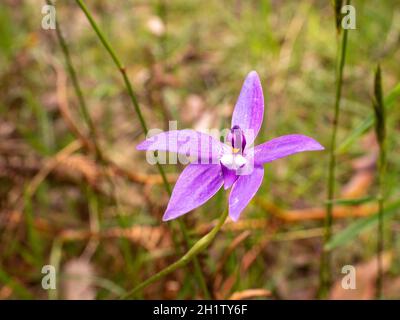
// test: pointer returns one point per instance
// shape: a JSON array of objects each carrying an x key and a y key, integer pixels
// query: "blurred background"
[{"x": 98, "y": 223}]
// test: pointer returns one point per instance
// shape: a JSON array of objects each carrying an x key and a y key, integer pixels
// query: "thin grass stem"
[
  {"x": 380, "y": 130},
  {"x": 325, "y": 263},
  {"x": 197, "y": 248},
  {"x": 198, "y": 272},
  {"x": 381, "y": 208}
]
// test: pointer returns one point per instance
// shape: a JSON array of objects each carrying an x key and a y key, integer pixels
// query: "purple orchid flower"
[{"x": 236, "y": 164}]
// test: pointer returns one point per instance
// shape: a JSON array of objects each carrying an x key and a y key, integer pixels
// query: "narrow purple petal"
[
  {"x": 196, "y": 184},
  {"x": 284, "y": 146},
  {"x": 229, "y": 177},
  {"x": 194, "y": 144},
  {"x": 249, "y": 110},
  {"x": 243, "y": 191}
]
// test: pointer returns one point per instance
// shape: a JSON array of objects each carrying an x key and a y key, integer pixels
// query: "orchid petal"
[
  {"x": 243, "y": 191},
  {"x": 284, "y": 146},
  {"x": 229, "y": 177},
  {"x": 196, "y": 185},
  {"x": 194, "y": 144},
  {"x": 249, "y": 110}
]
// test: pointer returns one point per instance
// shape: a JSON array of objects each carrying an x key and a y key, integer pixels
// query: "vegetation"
[{"x": 77, "y": 195}]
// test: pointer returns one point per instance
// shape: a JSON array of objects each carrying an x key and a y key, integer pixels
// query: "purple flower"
[{"x": 236, "y": 164}]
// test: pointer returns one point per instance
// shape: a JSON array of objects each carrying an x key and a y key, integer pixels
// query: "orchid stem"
[
  {"x": 197, "y": 268},
  {"x": 198, "y": 272},
  {"x": 325, "y": 267},
  {"x": 197, "y": 248}
]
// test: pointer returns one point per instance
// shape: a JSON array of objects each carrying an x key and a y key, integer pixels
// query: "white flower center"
[{"x": 233, "y": 161}]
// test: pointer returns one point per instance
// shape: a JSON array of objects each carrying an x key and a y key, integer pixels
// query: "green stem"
[
  {"x": 198, "y": 273},
  {"x": 82, "y": 104},
  {"x": 93, "y": 134},
  {"x": 381, "y": 208},
  {"x": 380, "y": 131},
  {"x": 325, "y": 268},
  {"x": 117, "y": 62},
  {"x": 77, "y": 88},
  {"x": 197, "y": 248},
  {"x": 197, "y": 268}
]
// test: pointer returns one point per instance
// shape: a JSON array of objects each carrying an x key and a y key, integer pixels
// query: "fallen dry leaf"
[
  {"x": 366, "y": 273},
  {"x": 5, "y": 292},
  {"x": 250, "y": 293},
  {"x": 77, "y": 283},
  {"x": 156, "y": 26},
  {"x": 193, "y": 107},
  {"x": 149, "y": 237},
  {"x": 317, "y": 213}
]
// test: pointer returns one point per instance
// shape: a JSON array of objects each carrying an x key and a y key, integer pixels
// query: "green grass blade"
[
  {"x": 353, "y": 230},
  {"x": 351, "y": 202},
  {"x": 369, "y": 121},
  {"x": 19, "y": 290}
]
